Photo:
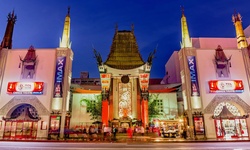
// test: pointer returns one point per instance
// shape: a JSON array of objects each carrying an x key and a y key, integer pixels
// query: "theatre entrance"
[
  {"x": 22, "y": 123},
  {"x": 229, "y": 123}
]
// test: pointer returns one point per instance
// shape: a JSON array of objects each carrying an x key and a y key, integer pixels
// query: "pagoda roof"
[
  {"x": 30, "y": 55},
  {"x": 124, "y": 53}
]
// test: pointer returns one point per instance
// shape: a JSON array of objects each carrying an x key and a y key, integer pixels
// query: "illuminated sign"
[
  {"x": 144, "y": 80},
  {"x": 193, "y": 76},
  {"x": 105, "y": 80},
  {"x": 25, "y": 88},
  {"x": 60, "y": 67},
  {"x": 229, "y": 86}
]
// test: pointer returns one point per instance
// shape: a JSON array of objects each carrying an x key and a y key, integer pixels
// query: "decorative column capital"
[
  {"x": 105, "y": 95},
  {"x": 145, "y": 95}
]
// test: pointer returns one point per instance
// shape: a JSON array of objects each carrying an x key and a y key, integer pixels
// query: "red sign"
[
  {"x": 105, "y": 80},
  {"x": 25, "y": 88},
  {"x": 229, "y": 86},
  {"x": 144, "y": 80}
]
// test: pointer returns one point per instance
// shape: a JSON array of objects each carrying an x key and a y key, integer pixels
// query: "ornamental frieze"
[
  {"x": 19, "y": 100},
  {"x": 234, "y": 99}
]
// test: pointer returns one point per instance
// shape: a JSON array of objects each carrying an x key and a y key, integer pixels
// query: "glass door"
[
  {"x": 34, "y": 130},
  {"x": 19, "y": 130},
  {"x": 13, "y": 129},
  {"x": 230, "y": 128},
  {"x": 7, "y": 130},
  {"x": 218, "y": 128},
  {"x": 27, "y": 129}
]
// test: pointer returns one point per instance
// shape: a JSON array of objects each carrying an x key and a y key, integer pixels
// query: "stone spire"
[
  {"x": 241, "y": 39},
  {"x": 186, "y": 41},
  {"x": 65, "y": 40},
  {"x": 7, "y": 39}
]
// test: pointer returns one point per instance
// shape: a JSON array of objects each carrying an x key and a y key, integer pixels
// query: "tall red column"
[
  {"x": 144, "y": 104},
  {"x": 105, "y": 112}
]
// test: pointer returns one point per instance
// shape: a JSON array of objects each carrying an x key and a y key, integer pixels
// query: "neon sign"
[
  {"x": 193, "y": 76},
  {"x": 229, "y": 86},
  {"x": 60, "y": 66},
  {"x": 25, "y": 88}
]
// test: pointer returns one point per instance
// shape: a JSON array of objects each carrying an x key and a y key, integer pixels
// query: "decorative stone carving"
[
  {"x": 226, "y": 98},
  {"x": 61, "y": 53},
  {"x": 19, "y": 100}
]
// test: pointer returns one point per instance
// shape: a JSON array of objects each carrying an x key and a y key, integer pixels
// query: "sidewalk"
[
  {"x": 152, "y": 138},
  {"x": 123, "y": 138}
]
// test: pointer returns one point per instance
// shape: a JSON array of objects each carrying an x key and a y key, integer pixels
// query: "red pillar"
[
  {"x": 105, "y": 112},
  {"x": 144, "y": 112}
]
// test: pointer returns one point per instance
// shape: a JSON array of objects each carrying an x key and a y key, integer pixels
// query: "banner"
[
  {"x": 195, "y": 91},
  {"x": 105, "y": 80},
  {"x": 25, "y": 88},
  {"x": 59, "y": 76},
  {"x": 144, "y": 81},
  {"x": 226, "y": 86}
]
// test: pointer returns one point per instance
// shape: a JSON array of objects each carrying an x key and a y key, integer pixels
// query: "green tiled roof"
[{"x": 124, "y": 53}]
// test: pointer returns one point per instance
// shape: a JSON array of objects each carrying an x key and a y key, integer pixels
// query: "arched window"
[{"x": 234, "y": 110}]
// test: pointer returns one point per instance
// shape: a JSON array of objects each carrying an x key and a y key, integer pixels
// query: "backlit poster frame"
[{"x": 199, "y": 128}]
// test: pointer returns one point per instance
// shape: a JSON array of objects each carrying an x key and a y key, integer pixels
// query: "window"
[{"x": 159, "y": 104}]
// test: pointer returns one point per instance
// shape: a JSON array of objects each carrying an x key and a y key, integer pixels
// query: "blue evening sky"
[{"x": 156, "y": 22}]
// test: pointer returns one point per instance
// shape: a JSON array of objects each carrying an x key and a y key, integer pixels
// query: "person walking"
[
  {"x": 147, "y": 129},
  {"x": 129, "y": 132},
  {"x": 142, "y": 130},
  {"x": 114, "y": 130}
]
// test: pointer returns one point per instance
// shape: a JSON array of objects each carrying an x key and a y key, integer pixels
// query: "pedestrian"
[
  {"x": 114, "y": 130},
  {"x": 130, "y": 132},
  {"x": 159, "y": 131},
  {"x": 184, "y": 134},
  {"x": 147, "y": 129},
  {"x": 142, "y": 130}
]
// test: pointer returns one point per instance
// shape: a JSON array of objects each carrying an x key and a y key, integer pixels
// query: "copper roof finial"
[
  {"x": 116, "y": 27},
  {"x": 182, "y": 10},
  {"x": 68, "y": 10}
]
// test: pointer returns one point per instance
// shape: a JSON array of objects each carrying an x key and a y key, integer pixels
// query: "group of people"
[{"x": 109, "y": 133}]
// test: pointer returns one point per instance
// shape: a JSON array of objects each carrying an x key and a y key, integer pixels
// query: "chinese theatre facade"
[
  {"x": 34, "y": 86},
  {"x": 215, "y": 84},
  {"x": 124, "y": 80}
]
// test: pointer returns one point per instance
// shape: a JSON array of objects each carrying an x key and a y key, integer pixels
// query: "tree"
[
  {"x": 94, "y": 107},
  {"x": 153, "y": 110}
]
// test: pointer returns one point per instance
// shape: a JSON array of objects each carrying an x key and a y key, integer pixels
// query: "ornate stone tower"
[
  {"x": 7, "y": 40},
  {"x": 189, "y": 75},
  {"x": 6, "y": 43},
  {"x": 124, "y": 79},
  {"x": 63, "y": 73}
]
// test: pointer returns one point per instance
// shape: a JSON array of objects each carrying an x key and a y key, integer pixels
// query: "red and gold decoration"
[
  {"x": 227, "y": 86},
  {"x": 25, "y": 88},
  {"x": 105, "y": 80},
  {"x": 144, "y": 80}
]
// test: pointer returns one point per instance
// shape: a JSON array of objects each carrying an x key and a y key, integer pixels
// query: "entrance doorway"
[
  {"x": 20, "y": 130},
  {"x": 22, "y": 123},
  {"x": 229, "y": 123},
  {"x": 231, "y": 128}
]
